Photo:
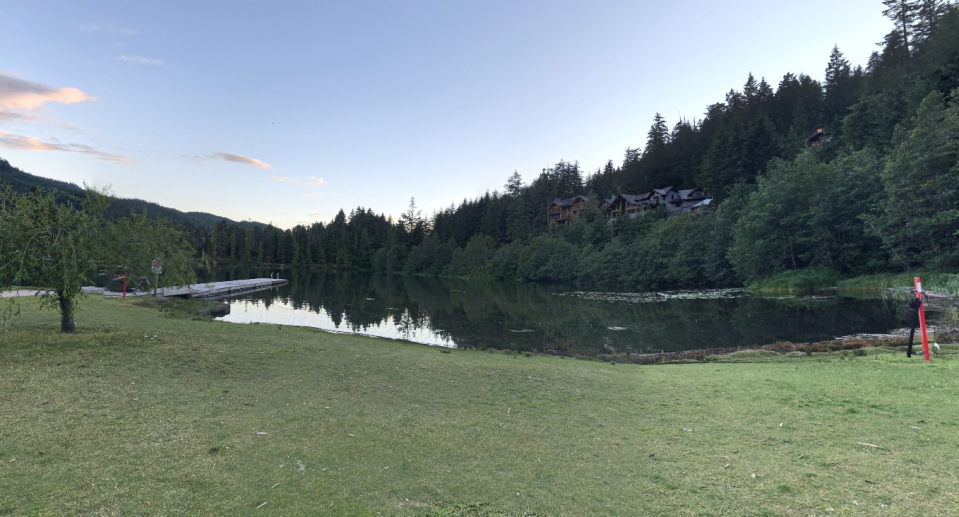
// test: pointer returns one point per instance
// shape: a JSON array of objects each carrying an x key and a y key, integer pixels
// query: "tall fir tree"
[
  {"x": 927, "y": 16},
  {"x": 903, "y": 15},
  {"x": 658, "y": 136}
]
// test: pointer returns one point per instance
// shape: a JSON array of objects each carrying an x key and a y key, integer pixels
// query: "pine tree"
[
  {"x": 839, "y": 90},
  {"x": 903, "y": 14},
  {"x": 928, "y": 14},
  {"x": 837, "y": 69},
  {"x": 764, "y": 92},
  {"x": 514, "y": 184},
  {"x": 411, "y": 218},
  {"x": 249, "y": 244},
  {"x": 658, "y": 135},
  {"x": 569, "y": 179},
  {"x": 751, "y": 89}
]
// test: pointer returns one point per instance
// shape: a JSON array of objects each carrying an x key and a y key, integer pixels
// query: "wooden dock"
[{"x": 210, "y": 289}]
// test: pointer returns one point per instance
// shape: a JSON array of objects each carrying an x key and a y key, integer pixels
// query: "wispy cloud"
[
  {"x": 133, "y": 58},
  {"x": 28, "y": 118},
  {"x": 280, "y": 178},
  {"x": 316, "y": 181},
  {"x": 29, "y": 143},
  {"x": 106, "y": 27},
  {"x": 238, "y": 158},
  {"x": 318, "y": 214}
]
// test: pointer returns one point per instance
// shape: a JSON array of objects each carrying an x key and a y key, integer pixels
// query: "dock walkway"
[{"x": 210, "y": 289}]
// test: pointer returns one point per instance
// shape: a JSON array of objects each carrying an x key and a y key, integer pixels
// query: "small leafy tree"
[
  {"x": 133, "y": 242},
  {"x": 55, "y": 245},
  {"x": 50, "y": 244}
]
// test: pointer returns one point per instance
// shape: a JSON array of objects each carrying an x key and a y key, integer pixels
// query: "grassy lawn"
[{"x": 145, "y": 414}]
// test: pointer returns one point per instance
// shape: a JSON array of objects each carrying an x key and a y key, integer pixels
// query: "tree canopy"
[{"x": 57, "y": 246}]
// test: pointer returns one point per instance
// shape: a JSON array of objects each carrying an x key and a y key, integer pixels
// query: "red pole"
[{"x": 922, "y": 320}]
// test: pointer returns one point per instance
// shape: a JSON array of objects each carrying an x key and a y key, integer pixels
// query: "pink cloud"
[
  {"x": 238, "y": 158},
  {"x": 318, "y": 214},
  {"x": 21, "y": 94},
  {"x": 316, "y": 181},
  {"x": 280, "y": 178},
  {"x": 29, "y": 143}
]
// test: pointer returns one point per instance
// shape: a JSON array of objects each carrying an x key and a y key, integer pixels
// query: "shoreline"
[{"x": 897, "y": 339}]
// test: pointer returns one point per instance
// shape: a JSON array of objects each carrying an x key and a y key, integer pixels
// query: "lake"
[{"x": 552, "y": 319}]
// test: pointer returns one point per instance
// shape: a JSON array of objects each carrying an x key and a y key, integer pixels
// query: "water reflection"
[
  {"x": 283, "y": 312},
  {"x": 468, "y": 314}
]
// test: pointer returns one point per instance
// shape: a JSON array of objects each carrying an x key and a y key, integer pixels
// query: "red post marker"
[{"x": 922, "y": 320}]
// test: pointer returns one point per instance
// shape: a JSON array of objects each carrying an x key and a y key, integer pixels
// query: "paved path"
[
  {"x": 19, "y": 293},
  {"x": 207, "y": 290},
  {"x": 212, "y": 289}
]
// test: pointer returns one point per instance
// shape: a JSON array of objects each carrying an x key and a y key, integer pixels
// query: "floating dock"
[{"x": 209, "y": 289}]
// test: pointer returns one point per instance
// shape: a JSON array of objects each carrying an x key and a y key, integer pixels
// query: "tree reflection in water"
[{"x": 501, "y": 315}]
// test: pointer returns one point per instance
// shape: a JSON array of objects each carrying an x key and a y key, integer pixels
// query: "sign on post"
[{"x": 157, "y": 269}]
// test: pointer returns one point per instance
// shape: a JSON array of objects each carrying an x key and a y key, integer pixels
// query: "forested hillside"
[
  {"x": 24, "y": 182},
  {"x": 879, "y": 194}
]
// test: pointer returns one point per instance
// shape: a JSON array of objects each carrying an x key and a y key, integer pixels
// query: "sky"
[{"x": 288, "y": 111}]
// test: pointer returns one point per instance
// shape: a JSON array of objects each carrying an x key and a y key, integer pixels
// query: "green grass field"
[{"x": 145, "y": 414}]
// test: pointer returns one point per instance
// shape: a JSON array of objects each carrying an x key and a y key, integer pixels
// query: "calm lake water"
[{"x": 554, "y": 319}]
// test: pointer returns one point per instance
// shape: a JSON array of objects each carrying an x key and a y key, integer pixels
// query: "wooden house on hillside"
[
  {"x": 668, "y": 199},
  {"x": 628, "y": 205},
  {"x": 565, "y": 211},
  {"x": 816, "y": 137}
]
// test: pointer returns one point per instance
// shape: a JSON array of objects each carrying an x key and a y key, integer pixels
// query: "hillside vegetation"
[{"x": 23, "y": 182}]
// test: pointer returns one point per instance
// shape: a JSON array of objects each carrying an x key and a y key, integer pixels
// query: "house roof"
[
  {"x": 687, "y": 193},
  {"x": 570, "y": 201},
  {"x": 662, "y": 191},
  {"x": 815, "y": 134},
  {"x": 633, "y": 199}
]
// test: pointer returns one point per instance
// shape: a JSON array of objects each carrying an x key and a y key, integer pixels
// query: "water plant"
[
  {"x": 938, "y": 283},
  {"x": 792, "y": 281}
]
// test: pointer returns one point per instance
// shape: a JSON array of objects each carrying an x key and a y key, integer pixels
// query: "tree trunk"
[{"x": 66, "y": 315}]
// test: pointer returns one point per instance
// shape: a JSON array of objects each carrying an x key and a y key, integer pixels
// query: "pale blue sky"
[{"x": 372, "y": 102}]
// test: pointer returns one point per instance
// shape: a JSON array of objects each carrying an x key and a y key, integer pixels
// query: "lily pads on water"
[{"x": 658, "y": 296}]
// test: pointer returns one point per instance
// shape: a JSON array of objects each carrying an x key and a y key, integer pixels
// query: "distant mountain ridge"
[{"x": 25, "y": 182}]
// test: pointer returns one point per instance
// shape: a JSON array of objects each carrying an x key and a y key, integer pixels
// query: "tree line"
[{"x": 879, "y": 195}]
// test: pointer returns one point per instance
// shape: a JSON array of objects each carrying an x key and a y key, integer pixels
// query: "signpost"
[
  {"x": 922, "y": 320},
  {"x": 157, "y": 269}
]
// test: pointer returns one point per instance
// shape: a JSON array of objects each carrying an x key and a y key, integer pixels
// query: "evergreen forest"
[{"x": 880, "y": 194}]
